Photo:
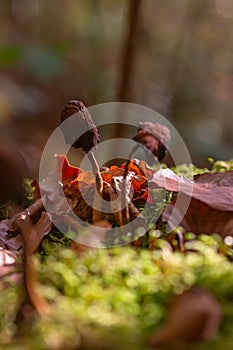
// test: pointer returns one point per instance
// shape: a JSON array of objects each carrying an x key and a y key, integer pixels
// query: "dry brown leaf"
[
  {"x": 200, "y": 218},
  {"x": 211, "y": 203},
  {"x": 11, "y": 253},
  {"x": 7, "y": 257},
  {"x": 11, "y": 268},
  {"x": 211, "y": 180},
  {"x": 85, "y": 183},
  {"x": 217, "y": 197},
  {"x": 14, "y": 243},
  {"x": 33, "y": 234}
]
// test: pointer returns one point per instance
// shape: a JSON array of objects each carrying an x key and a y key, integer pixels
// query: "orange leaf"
[{"x": 87, "y": 177}]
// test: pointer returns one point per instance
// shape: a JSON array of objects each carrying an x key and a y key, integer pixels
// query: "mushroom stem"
[
  {"x": 125, "y": 207},
  {"x": 97, "y": 215},
  {"x": 96, "y": 171},
  {"x": 88, "y": 139}
]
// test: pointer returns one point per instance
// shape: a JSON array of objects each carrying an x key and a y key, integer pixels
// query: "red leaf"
[{"x": 69, "y": 172}]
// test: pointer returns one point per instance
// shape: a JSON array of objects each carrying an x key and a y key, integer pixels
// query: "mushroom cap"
[
  {"x": 155, "y": 137},
  {"x": 89, "y": 134},
  {"x": 161, "y": 132}
]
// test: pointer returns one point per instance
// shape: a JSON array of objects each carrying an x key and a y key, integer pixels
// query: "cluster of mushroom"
[{"x": 153, "y": 137}]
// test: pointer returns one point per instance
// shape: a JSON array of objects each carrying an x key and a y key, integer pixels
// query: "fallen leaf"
[
  {"x": 14, "y": 243},
  {"x": 33, "y": 233},
  {"x": 211, "y": 180},
  {"x": 211, "y": 203},
  {"x": 69, "y": 172},
  {"x": 11, "y": 254},
  {"x": 81, "y": 190},
  {"x": 217, "y": 197},
  {"x": 75, "y": 193},
  {"x": 199, "y": 218},
  {"x": 7, "y": 257},
  {"x": 10, "y": 267}
]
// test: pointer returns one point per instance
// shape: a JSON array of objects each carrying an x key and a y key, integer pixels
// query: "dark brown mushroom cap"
[
  {"x": 155, "y": 137},
  {"x": 89, "y": 134}
]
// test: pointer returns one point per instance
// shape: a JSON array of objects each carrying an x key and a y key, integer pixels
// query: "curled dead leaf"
[
  {"x": 217, "y": 197},
  {"x": 33, "y": 233},
  {"x": 211, "y": 180},
  {"x": 83, "y": 187},
  {"x": 200, "y": 218},
  {"x": 211, "y": 203}
]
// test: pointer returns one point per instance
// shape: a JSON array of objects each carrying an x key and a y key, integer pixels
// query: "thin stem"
[
  {"x": 97, "y": 215},
  {"x": 125, "y": 207}
]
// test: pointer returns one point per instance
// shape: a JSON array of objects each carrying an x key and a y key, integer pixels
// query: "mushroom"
[
  {"x": 87, "y": 141},
  {"x": 155, "y": 137}
]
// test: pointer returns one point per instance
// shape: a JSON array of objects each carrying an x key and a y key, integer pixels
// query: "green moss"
[
  {"x": 118, "y": 297},
  {"x": 221, "y": 165}
]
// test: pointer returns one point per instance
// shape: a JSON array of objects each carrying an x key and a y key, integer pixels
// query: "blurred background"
[{"x": 174, "y": 56}]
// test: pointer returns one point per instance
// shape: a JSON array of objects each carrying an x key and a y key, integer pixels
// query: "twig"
[{"x": 125, "y": 208}]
